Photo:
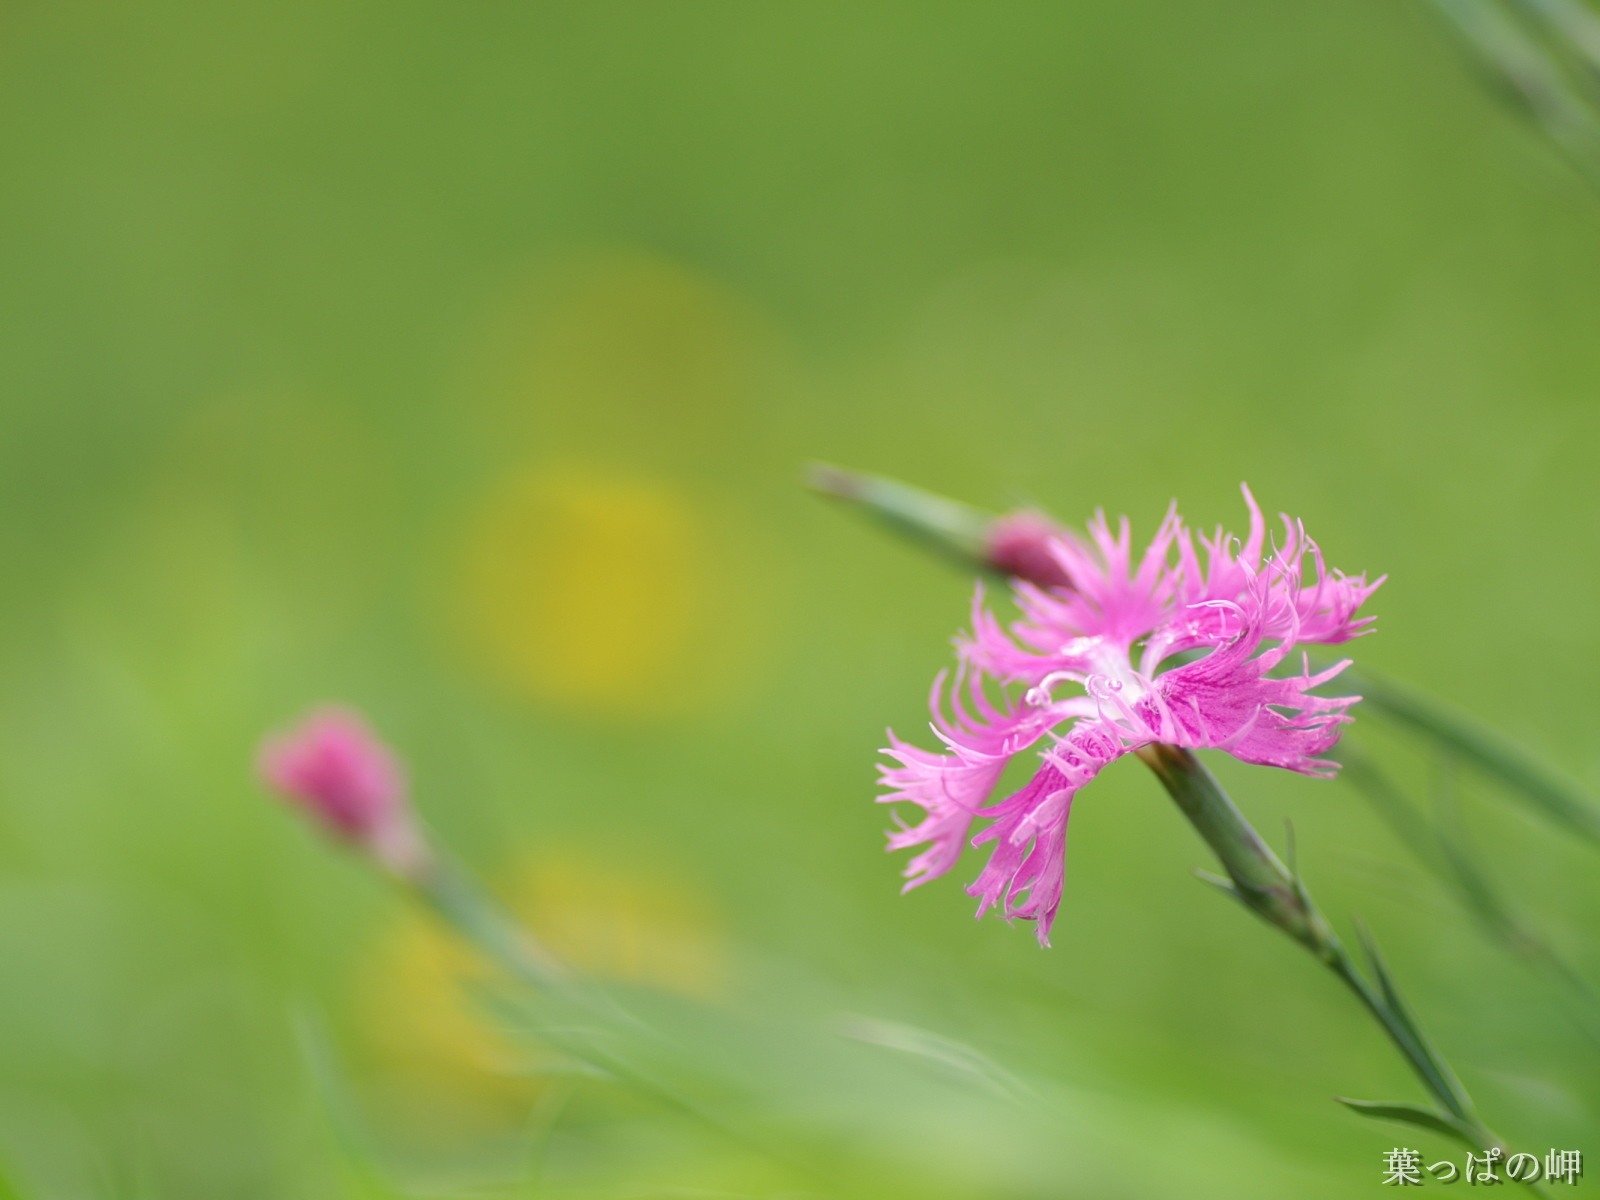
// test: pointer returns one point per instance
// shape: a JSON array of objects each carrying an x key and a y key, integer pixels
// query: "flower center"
[{"x": 1110, "y": 672}]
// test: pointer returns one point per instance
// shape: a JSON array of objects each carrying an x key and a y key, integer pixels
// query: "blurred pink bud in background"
[{"x": 337, "y": 770}]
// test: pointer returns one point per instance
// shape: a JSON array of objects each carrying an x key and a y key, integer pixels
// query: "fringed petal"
[{"x": 1027, "y": 864}]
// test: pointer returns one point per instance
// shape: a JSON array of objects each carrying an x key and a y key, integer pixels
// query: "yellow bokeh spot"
[
  {"x": 627, "y": 349},
  {"x": 441, "y": 1060},
  {"x": 630, "y": 923},
  {"x": 599, "y": 592},
  {"x": 593, "y": 576},
  {"x": 438, "y": 1062}
]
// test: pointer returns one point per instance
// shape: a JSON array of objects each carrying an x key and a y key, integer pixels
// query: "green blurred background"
[{"x": 460, "y": 362}]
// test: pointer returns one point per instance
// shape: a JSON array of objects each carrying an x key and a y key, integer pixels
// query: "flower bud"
[
  {"x": 1018, "y": 544},
  {"x": 334, "y": 768}
]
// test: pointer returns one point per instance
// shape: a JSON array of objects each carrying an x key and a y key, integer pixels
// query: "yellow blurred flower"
[
  {"x": 589, "y": 577},
  {"x": 603, "y": 593}
]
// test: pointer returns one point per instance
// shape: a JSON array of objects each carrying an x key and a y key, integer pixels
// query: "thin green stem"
[
  {"x": 1443, "y": 847},
  {"x": 459, "y": 902},
  {"x": 1409, "y": 1041},
  {"x": 1260, "y": 881}
]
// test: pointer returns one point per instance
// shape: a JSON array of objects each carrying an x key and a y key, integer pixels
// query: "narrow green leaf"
[
  {"x": 953, "y": 1056},
  {"x": 1456, "y": 1096},
  {"x": 1525, "y": 73},
  {"x": 363, "y": 1177},
  {"x": 1224, "y": 885},
  {"x": 1412, "y": 1114},
  {"x": 1557, "y": 799},
  {"x": 1442, "y": 846}
]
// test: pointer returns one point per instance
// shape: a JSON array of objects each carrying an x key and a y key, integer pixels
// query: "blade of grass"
[
  {"x": 1525, "y": 73},
  {"x": 1444, "y": 848},
  {"x": 1544, "y": 791},
  {"x": 362, "y": 1176}
]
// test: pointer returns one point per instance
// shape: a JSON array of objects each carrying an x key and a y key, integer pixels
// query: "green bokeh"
[{"x": 277, "y": 293}]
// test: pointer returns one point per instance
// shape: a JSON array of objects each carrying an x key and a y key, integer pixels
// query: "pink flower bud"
[
  {"x": 1019, "y": 544},
  {"x": 334, "y": 767}
]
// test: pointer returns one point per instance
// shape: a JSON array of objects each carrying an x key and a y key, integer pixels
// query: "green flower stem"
[
  {"x": 1441, "y": 845},
  {"x": 1258, "y": 879},
  {"x": 1263, "y": 884},
  {"x": 457, "y": 900}
]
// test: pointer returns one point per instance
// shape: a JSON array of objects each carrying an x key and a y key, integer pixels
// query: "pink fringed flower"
[
  {"x": 334, "y": 768},
  {"x": 1109, "y": 655}
]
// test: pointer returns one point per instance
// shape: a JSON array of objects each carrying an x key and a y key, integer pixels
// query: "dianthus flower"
[{"x": 1108, "y": 656}]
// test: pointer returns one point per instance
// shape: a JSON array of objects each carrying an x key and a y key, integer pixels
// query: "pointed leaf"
[
  {"x": 1412, "y": 1114},
  {"x": 1224, "y": 885},
  {"x": 1455, "y": 1095}
]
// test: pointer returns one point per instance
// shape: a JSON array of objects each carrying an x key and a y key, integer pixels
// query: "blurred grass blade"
[
  {"x": 1575, "y": 27},
  {"x": 1405, "y": 820},
  {"x": 957, "y": 1058},
  {"x": 1412, "y": 1114},
  {"x": 1467, "y": 870},
  {"x": 1555, "y": 798},
  {"x": 362, "y": 1175},
  {"x": 560, "y": 1010},
  {"x": 1525, "y": 72},
  {"x": 1443, "y": 847},
  {"x": 1445, "y": 854}
]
